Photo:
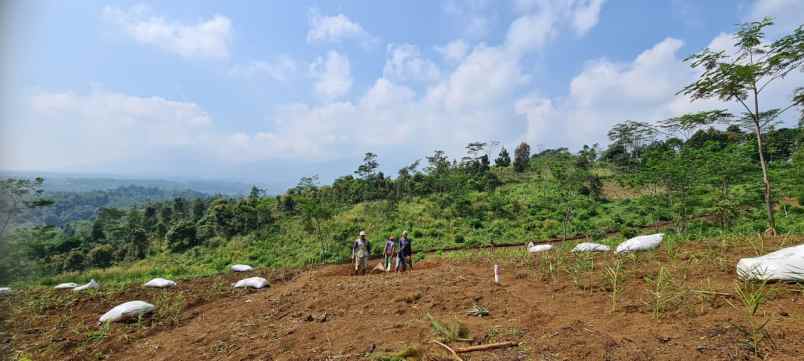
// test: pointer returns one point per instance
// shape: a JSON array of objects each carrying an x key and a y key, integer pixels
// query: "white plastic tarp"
[
  {"x": 641, "y": 243},
  {"x": 242, "y": 268},
  {"x": 591, "y": 247},
  {"x": 786, "y": 264},
  {"x": 91, "y": 284},
  {"x": 159, "y": 283},
  {"x": 252, "y": 282},
  {"x": 536, "y": 248},
  {"x": 66, "y": 286},
  {"x": 126, "y": 310},
  {"x": 5, "y": 291}
]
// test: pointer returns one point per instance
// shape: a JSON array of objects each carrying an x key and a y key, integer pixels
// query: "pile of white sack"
[
  {"x": 786, "y": 264},
  {"x": 65, "y": 286},
  {"x": 253, "y": 282},
  {"x": 590, "y": 247},
  {"x": 159, "y": 283},
  {"x": 126, "y": 311},
  {"x": 641, "y": 243},
  {"x": 91, "y": 284},
  {"x": 536, "y": 248},
  {"x": 242, "y": 268}
]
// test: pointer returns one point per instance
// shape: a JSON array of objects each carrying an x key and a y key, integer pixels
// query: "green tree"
[
  {"x": 101, "y": 256},
  {"x": 74, "y": 261},
  {"x": 503, "y": 159},
  {"x": 181, "y": 237},
  {"x": 368, "y": 169},
  {"x": 521, "y": 157},
  {"x": 18, "y": 195},
  {"x": 742, "y": 78}
]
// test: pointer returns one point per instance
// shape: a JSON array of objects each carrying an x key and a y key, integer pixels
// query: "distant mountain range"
[{"x": 65, "y": 182}]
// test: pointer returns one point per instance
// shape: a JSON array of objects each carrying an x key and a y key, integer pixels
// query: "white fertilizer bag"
[
  {"x": 126, "y": 310},
  {"x": 591, "y": 247},
  {"x": 786, "y": 264},
  {"x": 253, "y": 282},
  {"x": 91, "y": 284},
  {"x": 5, "y": 291},
  {"x": 641, "y": 243},
  {"x": 242, "y": 268},
  {"x": 536, "y": 248},
  {"x": 159, "y": 283},
  {"x": 65, "y": 286}
]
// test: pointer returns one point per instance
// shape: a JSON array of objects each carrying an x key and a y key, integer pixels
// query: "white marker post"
[{"x": 497, "y": 274}]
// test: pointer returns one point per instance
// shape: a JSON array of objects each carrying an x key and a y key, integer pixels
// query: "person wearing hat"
[
  {"x": 360, "y": 253},
  {"x": 404, "y": 254}
]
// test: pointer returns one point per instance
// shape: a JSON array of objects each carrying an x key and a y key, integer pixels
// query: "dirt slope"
[{"x": 326, "y": 314}]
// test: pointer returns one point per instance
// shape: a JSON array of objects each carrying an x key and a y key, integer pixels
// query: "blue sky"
[{"x": 272, "y": 91}]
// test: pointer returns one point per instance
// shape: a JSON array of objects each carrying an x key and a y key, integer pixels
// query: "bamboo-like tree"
[{"x": 742, "y": 78}]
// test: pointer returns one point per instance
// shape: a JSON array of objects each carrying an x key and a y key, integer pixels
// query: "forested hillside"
[
  {"x": 69, "y": 207},
  {"x": 708, "y": 184}
]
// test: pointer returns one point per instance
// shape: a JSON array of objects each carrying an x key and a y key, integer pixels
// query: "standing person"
[
  {"x": 390, "y": 246},
  {"x": 360, "y": 252},
  {"x": 405, "y": 254}
]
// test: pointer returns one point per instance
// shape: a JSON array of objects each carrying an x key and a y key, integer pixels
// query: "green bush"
[
  {"x": 101, "y": 256},
  {"x": 459, "y": 238}
]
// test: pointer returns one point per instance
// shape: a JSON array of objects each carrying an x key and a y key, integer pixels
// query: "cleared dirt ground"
[{"x": 555, "y": 307}]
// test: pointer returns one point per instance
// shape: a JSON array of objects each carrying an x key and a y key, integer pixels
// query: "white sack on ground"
[
  {"x": 5, "y": 291},
  {"x": 242, "y": 268},
  {"x": 65, "y": 286},
  {"x": 159, "y": 283},
  {"x": 641, "y": 243},
  {"x": 786, "y": 264},
  {"x": 591, "y": 247},
  {"x": 91, "y": 284},
  {"x": 253, "y": 282},
  {"x": 126, "y": 310},
  {"x": 536, "y": 248}
]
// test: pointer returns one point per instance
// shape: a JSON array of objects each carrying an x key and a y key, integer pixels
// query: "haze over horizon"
[{"x": 272, "y": 92}]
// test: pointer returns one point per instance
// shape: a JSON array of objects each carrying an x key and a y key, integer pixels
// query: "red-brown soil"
[{"x": 326, "y": 314}]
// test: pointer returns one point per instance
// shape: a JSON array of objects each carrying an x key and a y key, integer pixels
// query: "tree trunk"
[{"x": 765, "y": 179}]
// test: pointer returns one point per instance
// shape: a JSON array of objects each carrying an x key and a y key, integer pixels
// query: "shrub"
[
  {"x": 181, "y": 236},
  {"x": 74, "y": 261},
  {"x": 101, "y": 256},
  {"x": 629, "y": 232},
  {"x": 459, "y": 238}
]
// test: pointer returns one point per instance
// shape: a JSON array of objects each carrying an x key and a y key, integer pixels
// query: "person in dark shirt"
[
  {"x": 405, "y": 253},
  {"x": 388, "y": 252}
]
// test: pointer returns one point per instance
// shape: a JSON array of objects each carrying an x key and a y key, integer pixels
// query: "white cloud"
[
  {"x": 606, "y": 93},
  {"x": 207, "y": 38},
  {"x": 102, "y": 126},
  {"x": 585, "y": 15},
  {"x": 542, "y": 20},
  {"x": 405, "y": 63},
  {"x": 486, "y": 76},
  {"x": 788, "y": 14},
  {"x": 336, "y": 29},
  {"x": 333, "y": 78},
  {"x": 454, "y": 51},
  {"x": 282, "y": 68},
  {"x": 475, "y": 16}
]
